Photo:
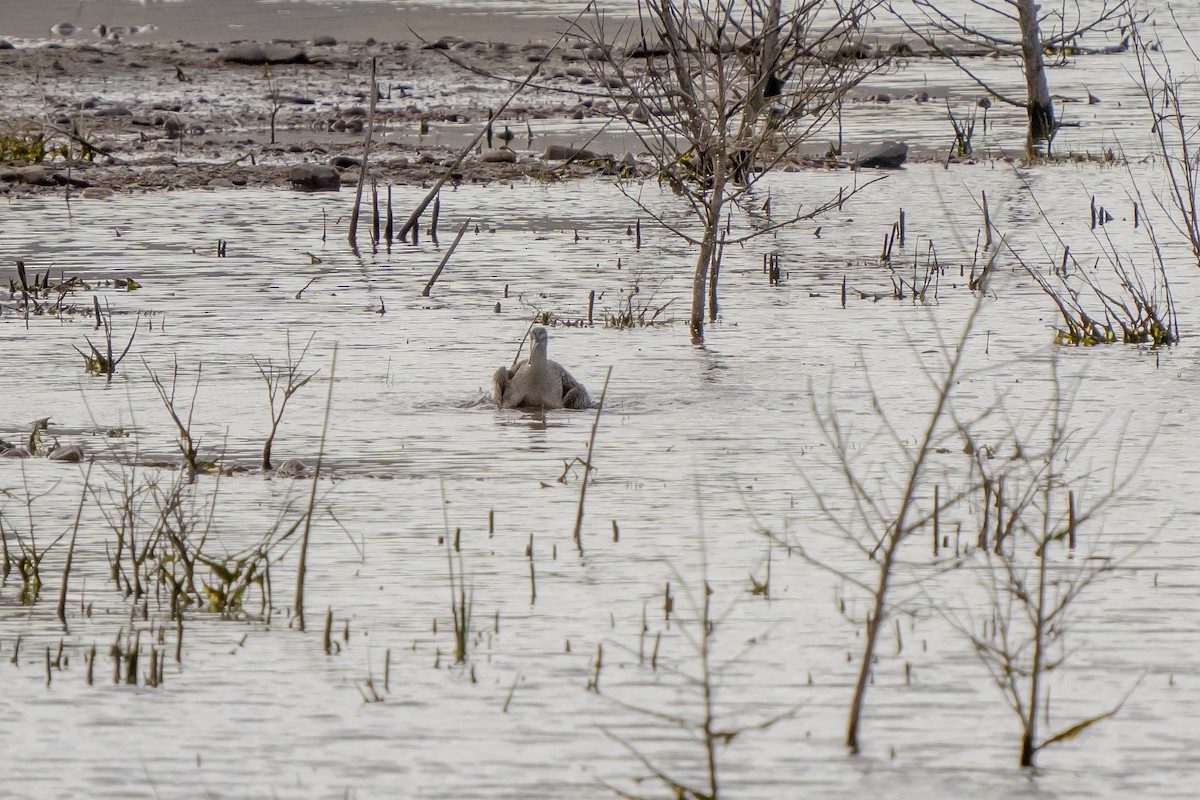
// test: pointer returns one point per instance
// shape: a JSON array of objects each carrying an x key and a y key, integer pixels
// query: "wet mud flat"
[
  {"x": 172, "y": 116},
  {"x": 110, "y": 116}
]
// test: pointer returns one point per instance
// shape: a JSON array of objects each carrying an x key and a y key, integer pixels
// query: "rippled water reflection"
[{"x": 718, "y": 433}]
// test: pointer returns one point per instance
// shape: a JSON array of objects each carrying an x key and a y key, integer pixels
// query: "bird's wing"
[
  {"x": 579, "y": 397},
  {"x": 500, "y": 383}
]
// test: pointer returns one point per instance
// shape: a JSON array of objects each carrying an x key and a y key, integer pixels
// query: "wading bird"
[{"x": 539, "y": 383}]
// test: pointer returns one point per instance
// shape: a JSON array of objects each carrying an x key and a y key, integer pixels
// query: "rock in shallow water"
[
  {"x": 292, "y": 469},
  {"x": 70, "y": 453},
  {"x": 314, "y": 178},
  {"x": 889, "y": 155}
]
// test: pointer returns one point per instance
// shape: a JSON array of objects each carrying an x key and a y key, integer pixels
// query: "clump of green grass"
[{"x": 30, "y": 148}]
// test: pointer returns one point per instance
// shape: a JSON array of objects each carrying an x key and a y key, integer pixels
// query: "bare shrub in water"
[
  {"x": 699, "y": 679},
  {"x": 187, "y": 441},
  {"x": 24, "y": 528},
  {"x": 1041, "y": 31},
  {"x": 720, "y": 93},
  {"x": 1140, "y": 309},
  {"x": 884, "y": 515},
  {"x": 1134, "y": 312},
  {"x": 168, "y": 543},
  {"x": 1167, "y": 97},
  {"x": 105, "y": 362},
  {"x": 1030, "y": 566},
  {"x": 282, "y": 381}
]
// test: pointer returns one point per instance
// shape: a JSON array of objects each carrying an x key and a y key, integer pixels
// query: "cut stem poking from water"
[{"x": 462, "y": 602}]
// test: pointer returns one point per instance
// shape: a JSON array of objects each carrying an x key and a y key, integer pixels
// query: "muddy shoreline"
[
  {"x": 141, "y": 116},
  {"x": 114, "y": 116}
]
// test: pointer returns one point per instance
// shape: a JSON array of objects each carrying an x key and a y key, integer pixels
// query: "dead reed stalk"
[
  {"x": 441, "y": 265},
  {"x": 301, "y": 568},
  {"x": 587, "y": 466},
  {"x": 362, "y": 172}
]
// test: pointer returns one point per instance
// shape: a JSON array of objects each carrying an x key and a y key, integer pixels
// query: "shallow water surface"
[{"x": 697, "y": 450}]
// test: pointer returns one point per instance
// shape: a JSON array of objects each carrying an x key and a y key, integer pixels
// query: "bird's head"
[{"x": 540, "y": 340}]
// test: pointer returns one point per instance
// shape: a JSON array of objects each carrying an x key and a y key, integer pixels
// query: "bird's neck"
[{"x": 537, "y": 355}]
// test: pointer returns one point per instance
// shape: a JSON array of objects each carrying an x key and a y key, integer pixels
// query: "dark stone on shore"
[
  {"x": 889, "y": 155},
  {"x": 33, "y": 176},
  {"x": 245, "y": 53},
  {"x": 500, "y": 156},
  {"x": 324, "y": 41},
  {"x": 562, "y": 152},
  {"x": 314, "y": 178},
  {"x": 444, "y": 43},
  {"x": 112, "y": 111},
  {"x": 642, "y": 51},
  {"x": 256, "y": 54},
  {"x": 69, "y": 180},
  {"x": 72, "y": 454},
  {"x": 345, "y": 162},
  {"x": 5, "y": 44}
]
